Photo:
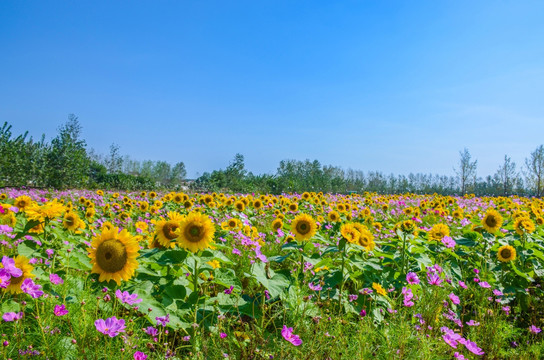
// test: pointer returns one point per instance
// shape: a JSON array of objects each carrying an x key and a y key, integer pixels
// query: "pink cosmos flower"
[
  {"x": 163, "y": 320},
  {"x": 534, "y": 329},
  {"x": 315, "y": 287},
  {"x": 126, "y": 297},
  {"x": 484, "y": 284},
  {"x": 138, "y": 355},
  {"x": 10, "y": 268},
  {"x": 473, "y": 348},
  {"x": 12, "y": 316},
  {"x": 28, "y": 286},
  {"x": 288, "y": 335},
  {"x": 60, "y": 310},
  {"x": 55, "y": 279},
  {"x": 412, "y": 278},
  {"x": 111, "y": 327},
  {"x": 454, "y": 299}
]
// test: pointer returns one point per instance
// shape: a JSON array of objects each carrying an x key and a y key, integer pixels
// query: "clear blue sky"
[{"x": 395, "y": 86}]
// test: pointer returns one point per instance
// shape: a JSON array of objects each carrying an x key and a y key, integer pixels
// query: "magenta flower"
[
  {"x": 138, "y": 355},
  {"x": 448, "y": 242},
  {"x": 55, "y": 279},
  {"x": 451, "y": 337},
  {"x": 4, "y": 278},
  {"x": 484, "y": 284},
  {"x": 126, "y": 297},
  {"x": 473, "y": 323},
  {"x": 434, "y": 279},
  {"x": 28, "y": 286},
  {"x": 223, "y": 335},
  {"x": 12, "y": 316},
  {"x": 473, "y": 348},
  {"x": 229, "y": 290},
  {"x": 454, "y": 299},
  {"x": 151, "y": 331},
  {"x": 315, "y": 287},
  {"x": 412, "y": 278},
  {"x": 163, "y": 320},
  {"x": 534, "y": 329},
  {"x": 10, "y": 268},
  {"x": 408, "y": 296},
  {"x": 288, "y": 335},
  {"x": 462, "y": 284},
  {"x": 459, "y": 356},
  {"x": 111, "y": 327},
  {"x": 60, "y": 310}
]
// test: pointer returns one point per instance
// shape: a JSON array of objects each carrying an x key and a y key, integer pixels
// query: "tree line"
[{"x": 65, "y": 162}]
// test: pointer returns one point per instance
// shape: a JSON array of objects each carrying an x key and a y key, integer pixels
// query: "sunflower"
[
  {"x": 152, "y": 194},
  {"x": 107, "y": 226},
  {"x": 277, "y": 224},
  {"x": 71, "y": 221},
  {"x": 524, "y": 225},
  {"x": 506, "y": 253},
  {"x": 166, "y": 229},
  {"x": 379, "y": 289},
  {"x": 304, "y": 227},
  {"x": 350, "y": 233},
  {"x": 234, "y": 224},
  {"x": 333, "y": 216},
  {"x": 492, "y": 221},
  {"x": 407, "y": 226},
  {"x": 439, "y": 231},
  {"x": 195, "y": 232},
  {"x": 49, "y": 210},
  {"x": 257, "y": 204},
  {"x": 113, "y": 255},
  {"x": 366, "y": 240},
  {"x": 141, "y": 225},
  {"x": 3, "y": 196},
  {"x": 144, "y": 206},
  {"x": 21, "y": 263},
  {"x": 22, "y": 202},
  {"x": 240, "y": 206}
]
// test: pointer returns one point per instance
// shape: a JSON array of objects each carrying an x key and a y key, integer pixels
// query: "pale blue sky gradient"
[{"x": 395, "y": 86}]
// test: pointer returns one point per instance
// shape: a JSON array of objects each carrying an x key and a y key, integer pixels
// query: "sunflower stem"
[
  {"x": 195, "y": 289},
  {"x": 342, "y": 278}
]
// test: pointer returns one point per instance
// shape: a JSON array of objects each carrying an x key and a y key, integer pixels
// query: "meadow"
[{"x": 146, "y": 275}]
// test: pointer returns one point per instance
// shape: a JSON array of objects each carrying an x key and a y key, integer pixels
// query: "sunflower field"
[{"x": 147, "y": 275}]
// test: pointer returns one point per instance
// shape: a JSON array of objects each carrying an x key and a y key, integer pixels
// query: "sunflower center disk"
[
  {"x": 303, "y": 228},
  {"x": 491, "y": 222},
  {"x": 195, "y": 233},
  {"x": 111, "y": 255},
  {"x": 169, "y": 230},
  {"x": 506, "y": 253},
  {"x": 16, "y": 280}
]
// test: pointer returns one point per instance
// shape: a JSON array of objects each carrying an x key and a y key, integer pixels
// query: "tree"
[
  {"x": 68, "y": 162},
  {"x": 114, "y": 162},
  {"x": 506, "y": 176},
  {"x": 535, "y": 170},
  {"x": 177, "y": 174},
  {"x": 467, "y": 170}
]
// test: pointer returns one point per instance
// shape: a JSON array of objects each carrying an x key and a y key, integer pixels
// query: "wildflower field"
[{"x": 145, "y": 275}]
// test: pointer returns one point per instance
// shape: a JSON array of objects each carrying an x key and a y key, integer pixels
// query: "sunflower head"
[
  {"x": 524, "y": 225},
  {"x": 113, "y": 255},
  {"x": 350, "y": 233},
  {"x": 304, "y": 227},
  {"x": 492, "y": 221},
  {"x": 196, "y": 232},
  {"x": 21, "y": 262},
  {"x": 506, "y": 253},
  {"x": 438, "y": 232},
  {"x": 71, "y": 221}
]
